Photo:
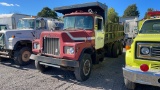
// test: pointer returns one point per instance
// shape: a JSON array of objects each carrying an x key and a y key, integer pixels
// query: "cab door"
[
  {"x": 99, "y": 33},
  {"x": 41, "y": 25}
]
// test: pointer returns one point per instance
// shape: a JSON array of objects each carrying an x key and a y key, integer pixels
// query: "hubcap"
[
  {"x": 86, "y": 67},
  {"x": 25, "y": 56}
]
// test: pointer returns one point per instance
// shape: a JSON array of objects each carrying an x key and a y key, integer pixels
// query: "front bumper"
[
  {"x": 55, "y": 61},
  {"x": 137, "y": 76}
]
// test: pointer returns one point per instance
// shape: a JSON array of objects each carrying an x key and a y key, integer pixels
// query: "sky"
[{"x": 32, "y": 7}]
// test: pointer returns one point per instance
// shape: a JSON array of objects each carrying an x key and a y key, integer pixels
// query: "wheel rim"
[
  {"x": 86, "y": 67},
  {"x": 25, "y": 56}
]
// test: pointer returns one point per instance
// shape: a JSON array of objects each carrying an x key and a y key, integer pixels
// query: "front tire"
[
  {"x": 82, "y": 73},
  {"x": 22, "y": 56},
  {"x": 120, "y": 48},
  {"x": 129, "y": 85}
]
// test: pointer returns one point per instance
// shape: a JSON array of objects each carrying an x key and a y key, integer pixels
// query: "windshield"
[
  {"x": 151, "y": 27},
  {"x": 78, "y": 22},
  {"x": 26, "y": 24}
]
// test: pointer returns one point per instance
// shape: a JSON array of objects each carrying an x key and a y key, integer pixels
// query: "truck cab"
[
  {"x": 130, "y": 28},
  {"x": 17, "y": 44},
  {"x": 142, "y": 59}
]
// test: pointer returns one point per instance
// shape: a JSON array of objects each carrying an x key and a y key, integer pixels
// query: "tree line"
[{"x": 131, "y": 10}]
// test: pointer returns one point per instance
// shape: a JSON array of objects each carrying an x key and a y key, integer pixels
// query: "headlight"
[
  {"x": 145, "y": 50},
  {"x": 36, "y": 46},
  {"x": 68, "y": 50}
]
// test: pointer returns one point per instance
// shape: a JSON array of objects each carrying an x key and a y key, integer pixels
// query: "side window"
[
  {"x": 40, "y": 24},
  {"x": 127, "y": 27},
  {"x": 99, "y": 24},
  {"x": 37, "y": 24},
  {"x": 13, "y": 23}
]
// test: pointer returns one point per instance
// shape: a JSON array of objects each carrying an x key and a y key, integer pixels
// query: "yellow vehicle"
[
  {"x": 140, "y": 22},
  {"x": 143, "y": 57}
]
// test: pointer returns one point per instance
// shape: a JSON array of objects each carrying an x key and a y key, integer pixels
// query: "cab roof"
[{"x": 99, "y": 8}]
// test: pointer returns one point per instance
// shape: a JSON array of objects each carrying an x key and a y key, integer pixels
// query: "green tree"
[
  {"x": 131, "y": 10},
  {"x": 148, "y": 10},
  {"x": 47, "y": 12},
  {"x": 112, "y": 16}
]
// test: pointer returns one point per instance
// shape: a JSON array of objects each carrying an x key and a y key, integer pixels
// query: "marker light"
[
  {"x": 13, "y": 36},
  {"x": 154, "y": 13},
  {"x": 144, "y": 67},
  {"x": 127, "y": 47}
]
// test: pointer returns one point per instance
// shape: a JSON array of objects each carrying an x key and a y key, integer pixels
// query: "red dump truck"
[{"x": 84, "y": 41}]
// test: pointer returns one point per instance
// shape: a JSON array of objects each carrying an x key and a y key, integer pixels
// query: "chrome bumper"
[
  {"x": 137, "y": 76},
  {"x": 55, "y": 61}
]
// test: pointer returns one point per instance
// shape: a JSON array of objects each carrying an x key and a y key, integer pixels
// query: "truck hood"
[
  {"x": 147, "y": 37},
  {"x": 28, "y": 33}
]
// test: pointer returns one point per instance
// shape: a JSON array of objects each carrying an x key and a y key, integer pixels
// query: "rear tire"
[
  {"x": 120, "y": 48},
  {"x": 40, "y": 67},
  {"x": 82, "y": 73},
  {"x": 22, "y": 56},
  {"x": 129, "y": 85},
  {"x": 115, "y": 50}
]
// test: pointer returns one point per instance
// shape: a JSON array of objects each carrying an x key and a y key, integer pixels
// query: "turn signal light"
[
  {"x": 13, "y": 36},
  {"x": 144, "y": 67},
  {"x": 127, "y": 47}
]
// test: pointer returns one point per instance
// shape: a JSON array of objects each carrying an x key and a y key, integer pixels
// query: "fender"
[
  {"x": 90, "y": 49},
  {"x": 19, "y": 42}
]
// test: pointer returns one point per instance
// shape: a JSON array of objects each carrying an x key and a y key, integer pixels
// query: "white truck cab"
[{"x": 17, "y": 44}]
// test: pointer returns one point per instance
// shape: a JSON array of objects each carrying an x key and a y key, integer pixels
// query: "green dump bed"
[{"x": 113, "y": 32}]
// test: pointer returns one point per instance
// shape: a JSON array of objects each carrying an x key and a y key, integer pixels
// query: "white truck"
[
  {"x": 17, "y": 44},
  {"x": 130, "y": 28},
  {"x": 11, "y": 19}
]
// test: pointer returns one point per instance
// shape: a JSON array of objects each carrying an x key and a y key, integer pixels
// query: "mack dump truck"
[
  {"x": 83, "y": 41},
  {"x": 143, "y": 57},
  {"x": 17, "y": 44}
]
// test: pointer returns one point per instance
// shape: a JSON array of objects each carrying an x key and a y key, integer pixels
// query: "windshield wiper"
[
  {"x": 68, "y": 28},
  {"x": 81, "y": 28}
]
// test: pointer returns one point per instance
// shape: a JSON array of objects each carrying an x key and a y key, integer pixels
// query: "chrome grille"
[
  {"x": 51, "y": 46},
  {"x": 155, "y": 66},
  {"x": 155, "y": 51}
]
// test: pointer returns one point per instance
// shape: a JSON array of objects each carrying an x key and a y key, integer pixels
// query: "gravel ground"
[{"x": 105, "y": 76}]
